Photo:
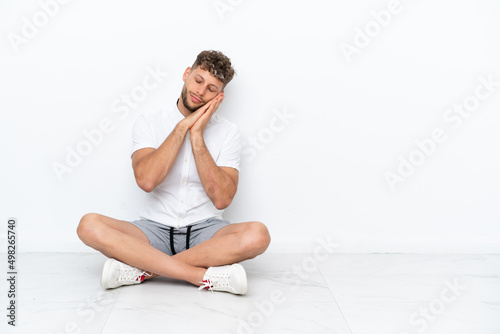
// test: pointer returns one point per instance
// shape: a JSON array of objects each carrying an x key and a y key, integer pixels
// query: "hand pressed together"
[{"x": 199, "y": 119}]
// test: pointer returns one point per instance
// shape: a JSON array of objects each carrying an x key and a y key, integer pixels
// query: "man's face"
[{"x": 199, "y": 87}]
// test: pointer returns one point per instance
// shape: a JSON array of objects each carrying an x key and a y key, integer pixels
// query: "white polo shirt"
[{"x": 180, "y": 199}]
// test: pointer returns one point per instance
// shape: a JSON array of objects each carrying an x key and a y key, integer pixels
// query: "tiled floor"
[{"x": 288, "y": 293}]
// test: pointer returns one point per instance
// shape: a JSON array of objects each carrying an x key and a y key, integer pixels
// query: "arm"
[
  {"x": 220, "y": 183},
  {"x": 151, "y": 166}
]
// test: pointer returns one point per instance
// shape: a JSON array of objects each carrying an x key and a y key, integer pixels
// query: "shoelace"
[
  {"x": 128, "y": 273},
  {"x": 220, "y": 281},
  {"x": 206, "y": 284}
]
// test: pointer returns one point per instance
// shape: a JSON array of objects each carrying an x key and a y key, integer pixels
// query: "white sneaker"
[
  {"x": 116, "y": 274},
  {"x": 231, "y": 278}
]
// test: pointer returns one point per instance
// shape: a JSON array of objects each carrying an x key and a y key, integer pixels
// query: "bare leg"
[
  {"x": 125, "y": 242},
  {"x": 231, "y": 244}
]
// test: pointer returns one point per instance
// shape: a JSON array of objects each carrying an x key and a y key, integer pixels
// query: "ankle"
[{"x": 198, "y": 280}]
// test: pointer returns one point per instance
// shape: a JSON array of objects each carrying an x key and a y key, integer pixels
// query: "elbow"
[
  {"x": 220, "y": 205},
  {"x": 223, "y": 202},
  {"x": 145, "y": 184},
  {"x": 143, "y": 181},
  {"x": 147, "y": 188}
]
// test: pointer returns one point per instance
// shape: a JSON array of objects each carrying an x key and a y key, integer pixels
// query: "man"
[{"x": 187, "y": 160}]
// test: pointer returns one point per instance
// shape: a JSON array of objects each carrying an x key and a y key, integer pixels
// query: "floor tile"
[
  {"x": 223, "y": 313},
  {"x": 412, "y": 264},
  {"x": 418, "y": 317},
  {"x": 61, "y": 291},
  {"x": 397, "y": 288},
  {"x": 288, "y": 293},
  {"x": 281, "y": 299}
]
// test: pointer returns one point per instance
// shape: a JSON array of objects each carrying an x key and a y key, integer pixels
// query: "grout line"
[
  {"x": 112, "y": 309},
  {"x": 333, "y": 295}
]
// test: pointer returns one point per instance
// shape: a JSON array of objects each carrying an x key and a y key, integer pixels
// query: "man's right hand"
[
  {"x": 150, "y": 165},
  {"x": 189, "y": 121}
]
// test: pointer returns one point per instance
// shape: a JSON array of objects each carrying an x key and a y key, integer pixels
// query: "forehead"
[{"x": 207, "y": 76}]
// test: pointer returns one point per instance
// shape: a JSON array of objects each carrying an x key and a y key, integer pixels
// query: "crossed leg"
[{"x": 125, "y": 242}]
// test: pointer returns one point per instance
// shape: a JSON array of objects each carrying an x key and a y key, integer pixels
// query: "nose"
[{"x": 200, "y": 91}]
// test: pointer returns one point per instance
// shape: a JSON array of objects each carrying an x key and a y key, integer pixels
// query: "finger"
[
  {"x": 204, "y": 108},
  {"x": 216, "y": 105},
  {"x": 209, "y": 108}
]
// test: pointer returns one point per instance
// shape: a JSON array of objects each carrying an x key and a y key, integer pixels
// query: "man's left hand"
[{"x": 209, "y": 109}]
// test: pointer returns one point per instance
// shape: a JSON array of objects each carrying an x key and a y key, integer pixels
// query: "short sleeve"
[
  {"x": 142, "y": 134},
  {"x": 231, "y": 150}
]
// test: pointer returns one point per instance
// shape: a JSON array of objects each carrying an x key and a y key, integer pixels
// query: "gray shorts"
[{"x": 171, "y": 240}]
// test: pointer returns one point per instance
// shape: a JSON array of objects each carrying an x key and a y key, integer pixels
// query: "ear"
[{"x": 186, "y": 74}]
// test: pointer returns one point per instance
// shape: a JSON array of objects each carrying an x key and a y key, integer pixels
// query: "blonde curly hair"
[{"x": 217, "y": 64}]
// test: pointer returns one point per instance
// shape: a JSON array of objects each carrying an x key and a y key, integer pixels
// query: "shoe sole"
[{"x": 105, "y": 273}]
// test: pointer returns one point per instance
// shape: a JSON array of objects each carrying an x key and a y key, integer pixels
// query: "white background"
[{"x": 320, "y": 173}]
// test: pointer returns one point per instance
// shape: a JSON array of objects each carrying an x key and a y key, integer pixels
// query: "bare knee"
[
  {"x": 256, "y": 239},
  {"x": 88, "y": 228}
]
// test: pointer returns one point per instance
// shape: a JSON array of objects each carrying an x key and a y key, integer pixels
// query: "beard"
[{"x": 186, "y": 101}]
